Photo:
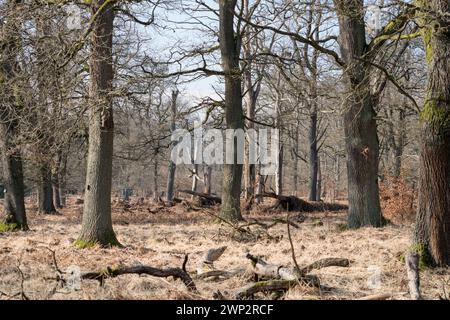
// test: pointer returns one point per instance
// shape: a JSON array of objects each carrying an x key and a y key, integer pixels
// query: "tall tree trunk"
[
  {"x": 207, "y": 179},
  {"x": 57, "y": 180},
  {"x": 194, "y": 180},
  {"x": 295, "y": 176},
  {"x": 432, "y": 232},
  {"x": 56, "y": 191},
  {"x": 230, "y": 50},
  {"x": 62, "y": 178},
  {"x": 399, "y": 143},
  {"x": 360, "y": 126},
  {"x": 260, "y": 185},
  {"x": 279, "y": 172},
  {"x": 319, "y": 181},
  {"x": 337, "y": 176},
  {"x": 172, "y": 165},
  {"x": 45, "y": 192},
  {"x": 250, "y": 103},
  {"x": 313, "y": 156},
  {"x": 14, "y": 205},
  {"x": 97, "y": 222},
  {"x": 155, "y": 178}
]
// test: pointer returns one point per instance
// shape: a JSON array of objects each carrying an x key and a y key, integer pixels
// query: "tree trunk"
[
  {"x": 279, "y": 172},
  {"x": 172, "y": 165},
  {"x": 45, "y": 191},
  {"x": 14, "y": 205},
  {"x": 194, "y": 178},
  {"x": 295, "y": 176},
  {"x": 432, "y": 232},
  {"x": 260, "y": 186},
  {"x": 360, "y": 126},
  {"x": 313, "y": 156},
  {"x": 155, "y": 178},
  {"x": 319, "y": 181},
  {"x": 97, "y": 222},
  {"x": 207, "y": 176},
  {"x": 230, "y": 49},
  {"x": 337, "y": 176},
  {"x": 56, "y": 191},
  {"x": 399, "y": 144},
  {"x": 62, "y": 178},
  {"x": 250, "y": 103},
  {"x": 58, "y": 177}
]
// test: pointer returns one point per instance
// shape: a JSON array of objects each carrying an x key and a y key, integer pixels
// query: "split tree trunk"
[
  {"x": 432, "y": 232},
  {"x": 361, "y": 136},
  {"x": 97, "y": 222},
  {"x": 230, "y": 49},
  {"x": 14, "y": 205}
]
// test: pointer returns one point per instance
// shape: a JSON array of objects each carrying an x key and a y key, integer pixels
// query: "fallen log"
[
  {"x": 381, "y": 296},
  {"x": 208, "y": 197},
  {"x": 275, "y": 285},
  {"x": 292, "y": 203},
  {"x": 109, "y": 272},
  {"x": 281, "y": 278},
  {"x": 273, "y": 271}
]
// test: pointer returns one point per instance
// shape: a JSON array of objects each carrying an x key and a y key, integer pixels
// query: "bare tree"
[
  {"x": 15, "y": 216},
  {"x": 97, "y": 222},
  {"x": 230, "y": 47}
]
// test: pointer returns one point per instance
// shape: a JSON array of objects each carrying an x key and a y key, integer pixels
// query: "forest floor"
[{"x": 160, "y": 237}]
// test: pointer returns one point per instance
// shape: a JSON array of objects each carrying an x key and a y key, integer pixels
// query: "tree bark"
[
  {"x": 337, "y": 176},
  {"x": 172, "y": 165},
  {"x": 399, "y": 143},
  {"x": 313, "y": 156},
  {"x": 97, "y": 222},
  {"x": 260, "y": 186},
  {"x": 14, "y": 204},
  {"x": 319, "y": 180},
  {"x": 155, "y": 177},
  {"x": 250, "y": 103},
  {"x": 45, "y": 192},
  {"x": 432, "y": 232},
  {"x": 361, "y": 136},
  {"x": 230, "y": 50},
  {"x": 207, "y": 179}
]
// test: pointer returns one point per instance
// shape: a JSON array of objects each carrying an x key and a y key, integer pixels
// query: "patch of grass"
[
  {"x": 81, "y": 244},
  {"x": 9, "y": 227},
  {"x": 341, "y": 227},
  {"x": 425, "y": 259}
]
